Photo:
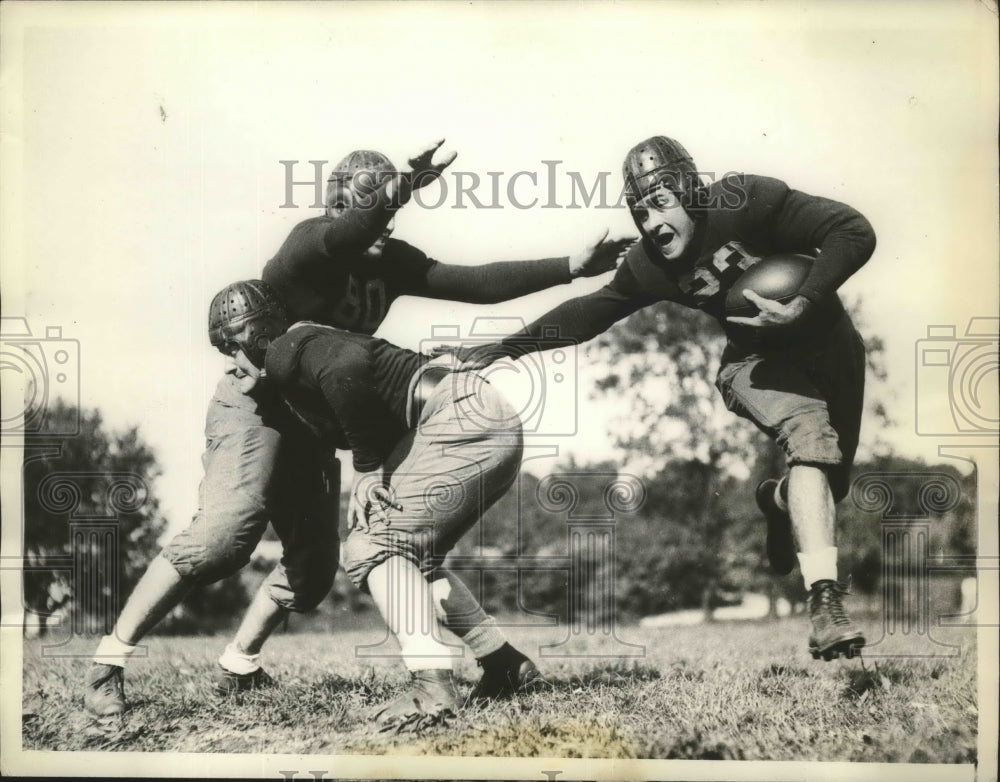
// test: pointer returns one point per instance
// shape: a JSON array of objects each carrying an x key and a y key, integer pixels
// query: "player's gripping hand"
[
  {"x": 428, "y": 164},
  {"x": 773, "y": 313},
  {"x": 599, "y": 255},
  {"x": 370, "y": 498}
]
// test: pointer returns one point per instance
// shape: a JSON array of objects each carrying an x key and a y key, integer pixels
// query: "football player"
[
  {"x": 341, "y": 269},
  {"x": 796, "y": 370},
  {"x": 431, "y": 453}
]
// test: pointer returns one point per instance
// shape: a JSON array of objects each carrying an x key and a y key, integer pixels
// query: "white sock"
[
  {"x": 424, "y": 652},
  {"x": 113, "y": 651},
  {"x": 780, "y": 501},
  {"x": 818, "y": 564},
  {"x": 235, "y": 661},
  {"x": 405, "y": 601},
  {"x": 485, "y": 638}
]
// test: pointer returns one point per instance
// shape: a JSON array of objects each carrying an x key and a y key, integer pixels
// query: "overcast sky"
[{"x": 142, "y": 144}]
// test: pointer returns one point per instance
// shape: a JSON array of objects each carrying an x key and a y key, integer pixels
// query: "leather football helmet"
[{"x": 246, "y": 315}]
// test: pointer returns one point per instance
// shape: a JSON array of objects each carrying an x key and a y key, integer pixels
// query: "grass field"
[{"x": 724, "y": 691}]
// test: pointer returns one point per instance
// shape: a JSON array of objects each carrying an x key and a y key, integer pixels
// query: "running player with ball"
[{"x": 794, "y": 363}]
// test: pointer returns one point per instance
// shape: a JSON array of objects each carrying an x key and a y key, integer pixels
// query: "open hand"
[
  {"x": 428, "y": 164},
  {"x": 599, "y": 255}
]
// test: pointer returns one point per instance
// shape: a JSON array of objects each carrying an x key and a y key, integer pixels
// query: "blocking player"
[
  {"x": 426, "y": 469},
  {"x": 796, "y": 370},
  {"x": 341, "y": 269}
]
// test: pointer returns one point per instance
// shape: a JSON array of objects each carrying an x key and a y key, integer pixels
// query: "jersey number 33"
[{"x": 726, "y": 265}]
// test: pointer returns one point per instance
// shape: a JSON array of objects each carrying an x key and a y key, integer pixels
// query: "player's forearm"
[
  {"x": 844, "y": 250},
  {"x": 490, "y": 283},
  {"x": 359, "y": 423},
  {"x": 365, "y": 461},
  {"x": 843, "y": 236},
  {"x": 574, "y": 321}
]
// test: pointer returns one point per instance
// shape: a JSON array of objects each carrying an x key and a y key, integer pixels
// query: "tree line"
[{"x": 696, "y": 539}]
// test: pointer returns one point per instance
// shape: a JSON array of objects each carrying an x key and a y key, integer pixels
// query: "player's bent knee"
[
  {"x": 220, "y": 556},
  {"x": 808, "y": 438},
  {"x": 359, "y": 557},
  {"x": 365, "y": 550},
  {"x": 308, "y": 593},
  {"x": 220, "y": 563},
  {"x": 206, "y": 559}
]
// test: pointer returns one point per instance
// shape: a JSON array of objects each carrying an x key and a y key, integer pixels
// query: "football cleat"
[
  {"x": 833, "y": 633},
  {"x": 431, "y": 699},
  {"x": 780, "y": 543},
  {"x": 505, "y": 673},
  {"x": 104, "y": 694},
  {"x": 228, "y": 683}
]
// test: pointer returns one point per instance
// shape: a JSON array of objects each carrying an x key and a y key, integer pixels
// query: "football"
[{"x": 777, "y": 277}]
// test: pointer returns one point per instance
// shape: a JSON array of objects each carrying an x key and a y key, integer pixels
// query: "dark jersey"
[
  {"x": 730, "y": 238},
  {"x": 351, "y": 389},
  {"x": 322, "y": 275}
]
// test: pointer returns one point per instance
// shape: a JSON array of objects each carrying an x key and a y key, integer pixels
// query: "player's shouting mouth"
[{"x": 662, "y": 218}]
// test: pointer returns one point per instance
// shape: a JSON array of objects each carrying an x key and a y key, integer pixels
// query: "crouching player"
[{"x": 430, "y": 456}]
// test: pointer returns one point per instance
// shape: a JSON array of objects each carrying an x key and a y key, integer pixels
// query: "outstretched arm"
[
  {"x": 502, "y": 280},
  {"x": 577, "y": 320}
]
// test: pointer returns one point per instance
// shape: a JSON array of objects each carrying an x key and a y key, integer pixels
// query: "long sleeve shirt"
[
  {"x": 322, "y": 275},
  {"x": 749, "y": 219}
]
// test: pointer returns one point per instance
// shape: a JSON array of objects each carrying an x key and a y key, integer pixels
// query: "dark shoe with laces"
[
  {"x": 431, "y": 699},
  {"x": 833, "y": 633},
  {"x": 780, "y": 543},
  {"x": 229, "y": 683},
  {"x": 506, "y": 672},
  {"x": 104, "y": 694}
]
